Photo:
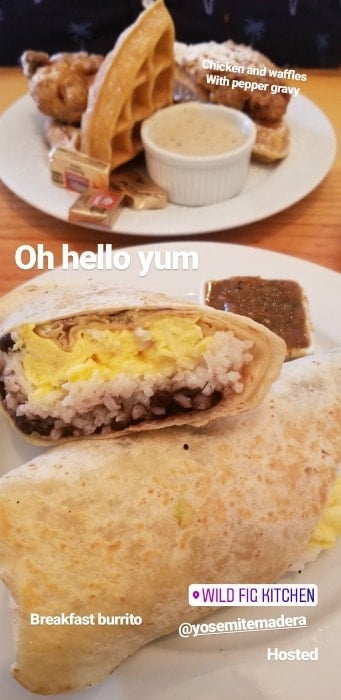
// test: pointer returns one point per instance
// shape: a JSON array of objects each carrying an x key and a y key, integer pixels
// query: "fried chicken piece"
[
  {"x": 31, "y": 60},
  {"x": 59, "y": 84},
  {"x": 59, "y": 134},
  {"x": 257, "y": 104}
]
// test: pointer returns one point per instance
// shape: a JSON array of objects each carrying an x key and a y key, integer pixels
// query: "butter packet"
[
  {"x": 139, "y": 191},
  {"x": 77, "y": 171},
  {"x": 100, "y": 207}
]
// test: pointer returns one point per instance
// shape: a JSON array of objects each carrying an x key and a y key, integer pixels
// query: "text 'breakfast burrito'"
[
  {"x": 81, "y": 360},
  {"x": 124, "y": 526}
]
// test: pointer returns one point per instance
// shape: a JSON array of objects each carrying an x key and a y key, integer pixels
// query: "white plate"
[
  {"x": 231, "y": 665},
  {"x": 268, "y": 190}
]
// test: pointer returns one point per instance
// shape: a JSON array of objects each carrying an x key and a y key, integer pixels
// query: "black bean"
[
  {"x": 42, "y": 426},
  {"x": 161, "y": 399},
  {"x": 215, "y": 397},
  {"x": 122, "y": 423},
  {"x": 6, "y": 342},
  {"x": 161, "y": 404},
  {"x": 24, "y": 425},
  {"x": 67, "y": 431}
]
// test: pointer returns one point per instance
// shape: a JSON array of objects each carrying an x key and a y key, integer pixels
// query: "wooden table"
[{"x": 310, "y": 229}]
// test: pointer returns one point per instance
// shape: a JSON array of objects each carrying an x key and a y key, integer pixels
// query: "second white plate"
[{"x": 216, "y": 666}]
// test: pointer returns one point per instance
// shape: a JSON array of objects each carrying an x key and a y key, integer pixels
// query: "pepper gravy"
[{"x": 194, "y": 132}]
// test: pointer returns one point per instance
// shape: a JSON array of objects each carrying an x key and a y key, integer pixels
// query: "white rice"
[{"x": 89, "y": 404}]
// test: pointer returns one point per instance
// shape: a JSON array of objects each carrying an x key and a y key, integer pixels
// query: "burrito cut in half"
[
  {"x": 93, "y": 360},
  {"x": 123, "y": 527}
]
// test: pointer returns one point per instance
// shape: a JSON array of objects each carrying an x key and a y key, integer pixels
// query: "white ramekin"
[{"x": 199, "y": 180}]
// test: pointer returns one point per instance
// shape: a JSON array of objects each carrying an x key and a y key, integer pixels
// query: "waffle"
[
  {"x": 266, "y": 110},
  {"x": 135, "y": 79},
  {"x": 272, "y": 142}
]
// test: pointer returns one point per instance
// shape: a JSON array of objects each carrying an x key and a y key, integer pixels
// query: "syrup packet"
[
  {"x": 139, "y": 191},
  {"x": 99, "y": 207}
]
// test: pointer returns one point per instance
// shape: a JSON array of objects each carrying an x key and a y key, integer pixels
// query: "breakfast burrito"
[
  {"x": 94, "y": 360},
  {"x": 99, "y": 541}
]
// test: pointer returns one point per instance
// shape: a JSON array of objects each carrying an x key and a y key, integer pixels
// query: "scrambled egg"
[
  {"x": 329, "y": 527},
  {"x": 165, "y": 344}
]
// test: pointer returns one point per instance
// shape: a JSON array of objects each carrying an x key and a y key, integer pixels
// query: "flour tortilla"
[
  {"x": 124, "y": 526},
  {"x": 41, "y": 304}
]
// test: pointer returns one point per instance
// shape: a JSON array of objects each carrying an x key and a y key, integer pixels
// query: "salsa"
[{"x": 278, "y": 304}]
